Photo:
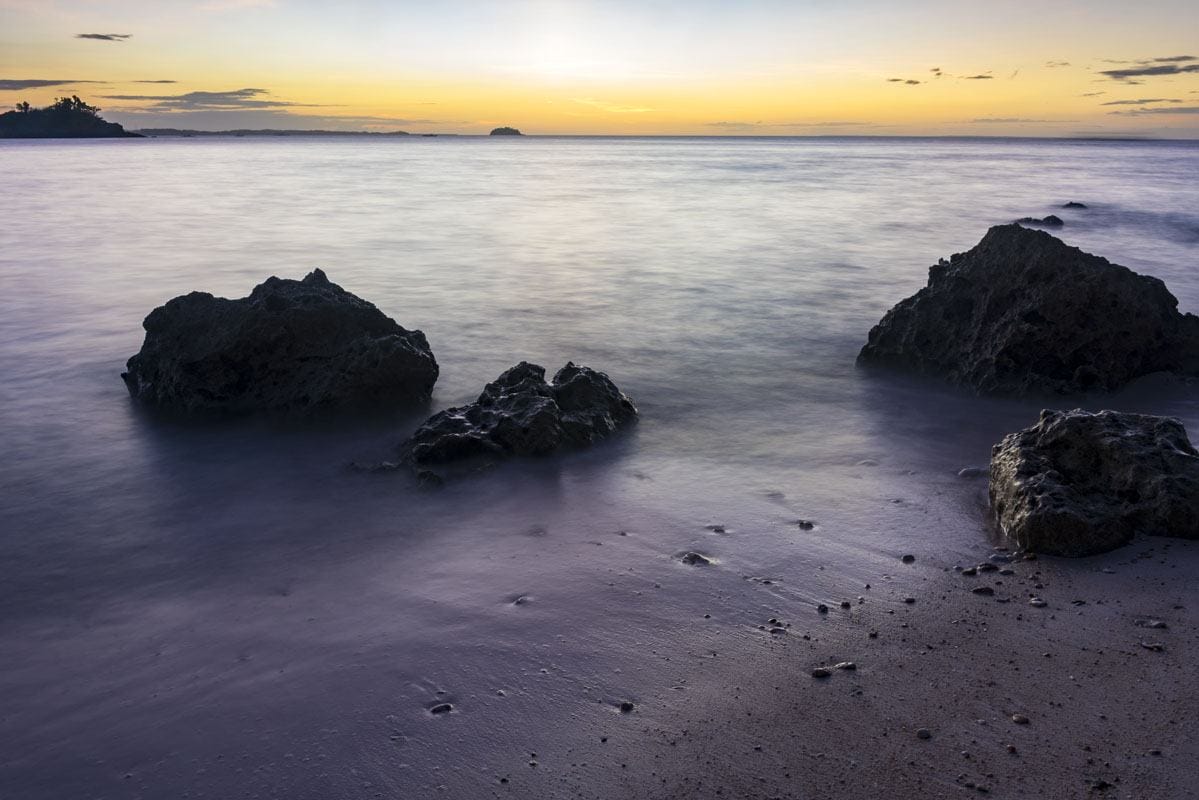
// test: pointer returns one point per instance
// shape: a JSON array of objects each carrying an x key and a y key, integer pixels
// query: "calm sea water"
[{"x": 226, "y": 610}]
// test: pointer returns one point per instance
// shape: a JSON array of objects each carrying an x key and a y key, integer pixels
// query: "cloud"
[
  {"x": 1057, "y": 64},
  {"x": 19, "y": 85},
  {"x": 906, "y": 81},
  {"x": 1145, "y": 70},
  {"x": 233, "y": 100},
  {"x": 104, "y": 37},
  {"x": 1138, "y": 112},
  {"x": 981, "y": 77},
  {"x": 936, "y": 71},
  {"x": 611, "y": 108},
  {"x": 1142, "y": 102},
  {"x": 154, "y": 81},
  {"x": 1091, "y": 94}
]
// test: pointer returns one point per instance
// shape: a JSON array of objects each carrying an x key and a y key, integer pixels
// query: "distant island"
[
  {"x": 506, "y": 132},
  {"x": 68, "y": 118}
]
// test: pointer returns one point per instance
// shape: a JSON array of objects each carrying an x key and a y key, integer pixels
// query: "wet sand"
[{"x": 1107, "y": 716}]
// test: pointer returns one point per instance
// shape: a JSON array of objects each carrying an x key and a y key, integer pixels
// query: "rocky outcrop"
[
  {"x": 1074, "y": 204},
  {"x": 291, "y": 347},
  {"x": 1025, "y": 313},
  {"x": 520, "y": 414},
  {"x": 1079, "y": 483},
  {"x": 505, "y": 131}
]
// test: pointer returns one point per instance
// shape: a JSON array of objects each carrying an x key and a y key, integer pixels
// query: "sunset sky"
[{"x": 926, "y": 67}]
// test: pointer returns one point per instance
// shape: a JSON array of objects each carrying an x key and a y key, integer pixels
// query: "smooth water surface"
[{"x": 227, "y": 610}]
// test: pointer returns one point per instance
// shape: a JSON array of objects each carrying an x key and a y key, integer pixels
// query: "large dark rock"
[
  {"x": 291, "y": 347},
  {"x": 1023, "y": 312},
  {"x": 1078, "y": 483},
  {"x": 520, "y": 414}
]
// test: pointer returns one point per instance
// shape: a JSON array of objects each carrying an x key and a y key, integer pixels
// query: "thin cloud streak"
[
  {"x": 104, "y": 37},
  {"x": 20, "y": 85},
  {"x": 236, "y": 99}
]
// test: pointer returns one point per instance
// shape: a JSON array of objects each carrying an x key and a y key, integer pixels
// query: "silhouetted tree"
[
  {"x": 23, "y": 107},
  {"x": 73, "y": 105}
]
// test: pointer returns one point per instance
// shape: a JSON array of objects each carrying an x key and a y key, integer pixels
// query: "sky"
[{"x": 756, "y": 67}]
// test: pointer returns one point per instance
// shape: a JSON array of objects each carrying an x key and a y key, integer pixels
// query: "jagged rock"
[
  {"x": 291, "y": 347},
  {"x": 1078, "y": 483},
  {"x": 1051, "y": 221},
  {"x": 1022, "y": 312},
  {"x": 520, "y": 414}
]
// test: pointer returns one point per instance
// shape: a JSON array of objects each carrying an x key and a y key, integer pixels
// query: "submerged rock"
[
  {"x": 520, "y": 414},
  {"x": 1051, "y": 221},
  {"x": 291, "y": 347},
  {"x": 1023, "y": 312},
  {"x": 1078, "y": 483},
  {"x": 1074, "y": 204}
]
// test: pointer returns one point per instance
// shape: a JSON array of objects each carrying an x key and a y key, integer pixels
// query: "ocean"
[{"x": 226, "y": 609}]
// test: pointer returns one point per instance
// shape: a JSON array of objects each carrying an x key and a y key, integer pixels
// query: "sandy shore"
[{"x": 1107, "y": 715}]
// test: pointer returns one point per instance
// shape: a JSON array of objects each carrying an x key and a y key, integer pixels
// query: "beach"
[{"x": 220, "y": 609}]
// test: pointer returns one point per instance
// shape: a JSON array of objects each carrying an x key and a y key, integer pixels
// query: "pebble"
[
  {"x": 805, "y": 524},
  {"x": 847, "y": 665},
  {"x": 821, "y": 672},
  {"x": 987, "y": 566},
  {"x": 908, "y": 559},
  {"x": 1156, "y": 624},
  {"x": 441, "y": 708},
  {"x": 695, "y": 559},
  {"x": 1019, "y": 719},
  {"x": 909, "y": 600},
  {"x": 924, "y": 733},
  {"x": 1036, "y": 601},
  {"x": 626, "y": 706},
  {"x": 1156, "y": 647},
  {"x": 983, "y": 590},
  {"x": 822, "y": 609},
  {"x": 844, "y": 604},
  {"x": 970, "y": 571}
]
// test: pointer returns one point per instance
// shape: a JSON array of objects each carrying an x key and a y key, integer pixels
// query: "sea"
[{"x": 226, "y": 609}]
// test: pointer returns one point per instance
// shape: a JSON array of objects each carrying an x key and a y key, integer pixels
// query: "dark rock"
[
  {"x": 924, "y": 733},
  {"x": 1019, "y": 719},
  {"x": 805, "y": 524},
  {"x": 441, "y": 708},
  {"x": 983, "y": 590},
  {"x": 626, "y": 706},
  {"x": 505, "y": 131},
  {"x": 291, "y": 347},
  {"x": 520, "y": 414},
  {"x": 695, "y": 559},
  {"x": 1051, "y": 221},
  {"x": 1079, "y": 483},
  {"x": 1073, "y": 204},
  {"x": 908, "y": 558},
  {"x": 1023, "y": 313},
  {"x": 821, "y": 672}
]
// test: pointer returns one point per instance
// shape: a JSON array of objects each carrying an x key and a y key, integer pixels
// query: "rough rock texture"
[
  {"x": 1023, "y": 312},
  {"x": 520, "y": 414},
  {"x": 1078, "y": 483},
  {"x": 291, "y": 347}
]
